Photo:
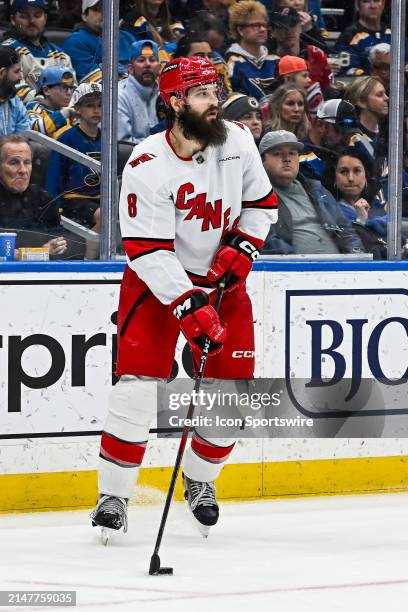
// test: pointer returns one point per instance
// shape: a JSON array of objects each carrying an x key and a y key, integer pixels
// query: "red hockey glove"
[
  {"x": 198, "y": 320},
  {"x": 235, "y": 257}
]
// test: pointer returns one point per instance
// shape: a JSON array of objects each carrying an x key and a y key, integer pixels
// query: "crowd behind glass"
[{"x": 312, "y": 89}]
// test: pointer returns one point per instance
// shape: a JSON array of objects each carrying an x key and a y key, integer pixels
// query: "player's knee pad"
[{"x": 132, "y": 407}]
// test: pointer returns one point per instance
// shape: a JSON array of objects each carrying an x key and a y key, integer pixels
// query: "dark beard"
[
  {"x": 7, "y": 89},
  {"x": 196, "y": 127}
]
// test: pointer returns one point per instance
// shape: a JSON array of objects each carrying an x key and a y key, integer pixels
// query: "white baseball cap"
[
  {"x": 86, "y": 4},
  {"x": 85, "y": 89}
]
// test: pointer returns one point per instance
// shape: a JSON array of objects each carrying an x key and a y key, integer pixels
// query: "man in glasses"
[
  {"x": 251, "y": 67},
  {"x": 49, "y": 111}
]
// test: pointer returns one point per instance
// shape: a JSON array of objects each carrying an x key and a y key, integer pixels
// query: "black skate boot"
[
  {"x": 111, "y": 515},
  {"x": 201, "y": 500}
]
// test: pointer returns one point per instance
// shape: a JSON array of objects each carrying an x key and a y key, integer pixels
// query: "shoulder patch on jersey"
[
  {"x": 141, "y": 159},
  {"x": 238, "y": 123}
]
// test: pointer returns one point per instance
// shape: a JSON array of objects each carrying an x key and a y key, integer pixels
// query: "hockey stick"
[{"x": 155, "y": 569}]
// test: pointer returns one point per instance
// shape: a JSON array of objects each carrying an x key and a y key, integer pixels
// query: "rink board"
[{"x": 56, "y": 337}]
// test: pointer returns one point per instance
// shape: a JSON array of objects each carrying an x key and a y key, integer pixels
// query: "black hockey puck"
[{"x": 166, "y": 570}]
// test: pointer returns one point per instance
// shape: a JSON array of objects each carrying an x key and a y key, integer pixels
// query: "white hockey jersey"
[{"x": 174, "y": 211}]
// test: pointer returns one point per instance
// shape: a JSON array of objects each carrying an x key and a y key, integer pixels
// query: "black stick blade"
[{"x": 154, "y": 569}]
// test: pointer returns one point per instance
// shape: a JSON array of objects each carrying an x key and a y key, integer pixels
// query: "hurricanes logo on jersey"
[
  {"x": 198, "y": 208},
  {"x": 145, "y": 157}
]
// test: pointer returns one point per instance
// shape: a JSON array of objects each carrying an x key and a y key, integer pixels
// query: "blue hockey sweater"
[
  {"x": 250, "y": 75},
  {"x": 67, "y": 175},
  {"x": 85, "y": 49}
]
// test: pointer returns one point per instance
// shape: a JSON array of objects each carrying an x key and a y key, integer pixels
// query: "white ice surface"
[{"x": 316, "y": 554}]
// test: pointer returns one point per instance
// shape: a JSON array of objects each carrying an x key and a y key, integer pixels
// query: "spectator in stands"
[
  {"x": 24, "y": 207},
  {"x": 151, "y": 20},
  {"x": 197, "y": 44},
  {"x": 371, "y": 101},
  {"x": 76, "y": 186},
  {"x": 286, "y": 29},
  {"x": 309, "y": 219},
  {"x": 247, "y": 110},
  {"x": 49, "y": 111},
  {"x": 69, "y": 12},
  {"x": 293, "y": 69},
  {"x": 184, "y": 9},
  {"x": 13, "y": 114},
  {"x": 351, "y": 176},
  {"x": 334, "y": 127},
  {"x": 287, "y": 110},
  {"x": 379, "y": 59},
  {"x": 213, "y": 28},
  {"x": 28, "y": 20},
  {"x": 368, "y": 30},
  {"x": 85, "y": 44},
  {"x": 252, "y": 70},
  {"x": 137, "y": 95},
  {"x": 310, "y": 31}
]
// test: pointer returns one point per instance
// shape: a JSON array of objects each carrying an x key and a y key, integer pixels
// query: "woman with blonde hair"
[
  {"x": 371, "y": 101},
  {"x": 288, "y": 110}
]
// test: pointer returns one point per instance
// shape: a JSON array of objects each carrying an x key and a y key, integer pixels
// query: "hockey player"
[{"x": 195, "y": 204}]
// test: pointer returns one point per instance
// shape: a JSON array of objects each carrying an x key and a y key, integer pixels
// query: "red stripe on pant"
[
  {"x": 208, "y": 451},
  {"x": 121, "y": 452}
]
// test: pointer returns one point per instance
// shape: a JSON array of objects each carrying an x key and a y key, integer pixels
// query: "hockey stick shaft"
[{"x": 186, "y": 428}]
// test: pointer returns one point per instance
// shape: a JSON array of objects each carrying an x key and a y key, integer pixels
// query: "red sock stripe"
[
  {"x": 128, "y": 454},
  {"x": 208, "y": 451}
]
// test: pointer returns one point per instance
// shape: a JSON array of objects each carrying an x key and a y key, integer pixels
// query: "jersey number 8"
[{"x": 132, "y": 199}]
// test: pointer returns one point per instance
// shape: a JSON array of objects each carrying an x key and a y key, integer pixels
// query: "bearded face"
[
  {"x": 7, "y": 87},
  {"x": 206, "y": 128}
]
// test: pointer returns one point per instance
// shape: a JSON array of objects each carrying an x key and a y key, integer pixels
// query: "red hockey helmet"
[{"x": 182, "y": 73}]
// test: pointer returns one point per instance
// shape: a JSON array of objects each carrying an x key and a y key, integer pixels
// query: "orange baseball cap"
[{"x": 291, "y": 63}]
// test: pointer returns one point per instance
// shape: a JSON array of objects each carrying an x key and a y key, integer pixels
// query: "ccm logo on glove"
[
  {"x": 198, "y": 319},
  {"x": 234, "y": 257}
]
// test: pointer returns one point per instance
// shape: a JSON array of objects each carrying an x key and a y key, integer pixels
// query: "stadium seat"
[
  {"x": 57, "y": 35},
  {"x": 125, "y": 148}
]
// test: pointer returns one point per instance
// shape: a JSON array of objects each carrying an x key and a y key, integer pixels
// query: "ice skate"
[
  {"x": 110, "y": 515},
  {"x": 201, "y": 500}
]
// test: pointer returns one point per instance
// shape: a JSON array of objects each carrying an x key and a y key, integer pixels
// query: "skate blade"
[
  {"x": 203, "y": 530},
  {"x": 106, "y": 534}
]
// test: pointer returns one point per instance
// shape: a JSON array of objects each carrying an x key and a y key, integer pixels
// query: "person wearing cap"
[
  {"x": 252, "y": 69},
  {"x": 334, "y": 127},
  {"x": 13, "y": 114},
  {"x": 28, "y": 19},
  {"x": 294, "y": 69},
  {"x": 85, "y": 45},
  {"x": 286, "y": 30},
  {"x": 49, "y": 111},
  {"x": 310, "y": 221},
  {"x": 138, "y": 93},
  {"x": 311, "y": 32},
  {"x": 247, "y": 110},
  {"x": 76, "y": 186}
]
